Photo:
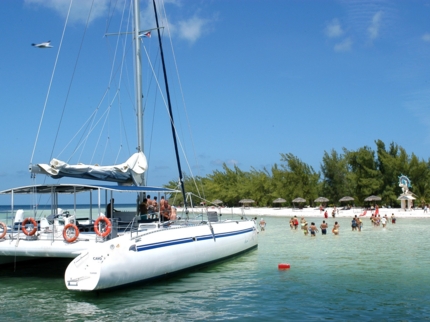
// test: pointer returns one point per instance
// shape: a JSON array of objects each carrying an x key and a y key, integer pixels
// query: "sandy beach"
[{"x": 311, "y": 212}]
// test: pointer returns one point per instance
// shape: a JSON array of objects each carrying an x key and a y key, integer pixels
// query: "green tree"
[
  {"x": 302, "y": 180},
  {"x": 366, "y": 176},
  {"x": 336, "y": 182}
]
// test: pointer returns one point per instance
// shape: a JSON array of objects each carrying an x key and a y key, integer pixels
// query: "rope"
[
  {"x": 50, "y": 83},
  {"x": 185, "y": 106}
]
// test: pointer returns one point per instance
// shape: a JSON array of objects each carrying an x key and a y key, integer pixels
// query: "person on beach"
[
  {"x": 325, "y": 214},
  {"x": 324, "y": 227},
  {"x": 333, "y": 213},
  {"x": 313, "y": 229},
  {"x": 335, "y": 229},
  {"x": 393, "y": 219},
  {"x": 262, "y": 225}
]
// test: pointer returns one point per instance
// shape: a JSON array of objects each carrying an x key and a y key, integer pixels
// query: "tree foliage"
[{"x": 356, "y": 173}]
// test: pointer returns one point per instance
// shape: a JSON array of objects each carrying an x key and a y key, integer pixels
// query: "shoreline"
[{"x": 309, "y": 212}]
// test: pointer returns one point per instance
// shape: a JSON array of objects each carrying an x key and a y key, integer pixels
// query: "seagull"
[{"x": 43, "y": 45}]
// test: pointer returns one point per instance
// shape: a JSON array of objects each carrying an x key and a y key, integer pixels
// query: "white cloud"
[
  {"x": 80, "y": 8},
  {"x": 334, "y": 29},
  {"x": 193, "y": 28},
  {"x": 345, "y": 45},
  {"x": 426, "y": 37},
  {"x": 375, "y": 25}
]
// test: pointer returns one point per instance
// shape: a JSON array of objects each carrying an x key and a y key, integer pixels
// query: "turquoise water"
[{"x": 376, "y": 274}]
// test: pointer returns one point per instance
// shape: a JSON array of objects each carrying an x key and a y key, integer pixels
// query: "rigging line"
[
  {"x": 109, "y": 86},
  {"x": 183, "y": 97},
  {"x": 113, "y": 73},
  {"x": 107, "y": 113},
  {"x": 73, "y": 76},
  {"x": 92, "y": 115},
  {"x": 120, "y": 82},
  {"x": 81, "y": 141},
  {"x": 171, "y": 121},
  {"x": 50, "y": 83}
]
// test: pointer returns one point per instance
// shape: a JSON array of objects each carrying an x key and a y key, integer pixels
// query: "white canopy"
[{"x": 127, "y": 173}]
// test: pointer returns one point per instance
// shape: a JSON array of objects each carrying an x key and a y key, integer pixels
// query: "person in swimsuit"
[
  {"x": 354, "y": 223},
  {"x": 313, "y": 229},
  {"x": 296, "y": 222},
  {"x": 324, "y": 227},
  {"x": 305, "y": 229},
  {"x": 262, "y": 225},
  {"x": 335, "y": 229},
  {"x": 393, "y": 219}
]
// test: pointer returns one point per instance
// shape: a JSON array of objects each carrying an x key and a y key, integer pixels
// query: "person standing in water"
[
  {"x": 324, "y": 227},
  {"x": 262, "y": 225},
  {"x": 335, "y": 229},
  {"x": 313, "y": 229}
]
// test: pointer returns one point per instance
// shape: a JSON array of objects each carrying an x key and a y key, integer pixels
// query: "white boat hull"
[
  {"x": 24, "y": 247},
  {"x": 128, "y": 259}
]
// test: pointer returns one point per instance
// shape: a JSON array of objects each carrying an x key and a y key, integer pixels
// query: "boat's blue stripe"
[{"x": 141, "y": 248}]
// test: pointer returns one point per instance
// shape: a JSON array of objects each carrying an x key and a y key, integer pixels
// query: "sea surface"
[{"x": 377, "y": 274}]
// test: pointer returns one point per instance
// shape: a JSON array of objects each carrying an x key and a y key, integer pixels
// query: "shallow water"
[{"x": 374, "y": 274}]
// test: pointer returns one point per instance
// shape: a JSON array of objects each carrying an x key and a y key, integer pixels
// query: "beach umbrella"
[
  {"x": 373, "y": 198},
  {"x": 246, "y": 201},
  {"x": 279, "y": 200},
  {"x": 321, "y": 199},
  {"x": 299, "y": 200},
  {"x": 347, "y": 198},
  {"x": 217, "y": 202}
]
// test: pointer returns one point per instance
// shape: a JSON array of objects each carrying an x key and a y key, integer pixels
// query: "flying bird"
[{"x": 43, "y": 45}]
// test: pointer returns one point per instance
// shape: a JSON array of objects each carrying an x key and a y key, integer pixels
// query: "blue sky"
[{"x": 258, "y": 77}]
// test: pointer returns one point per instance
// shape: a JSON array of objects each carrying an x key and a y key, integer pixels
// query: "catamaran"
[{"x": 151, "y": 249}]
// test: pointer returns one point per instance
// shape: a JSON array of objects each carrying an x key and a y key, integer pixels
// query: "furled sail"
[{"x": 127, "y": 173}]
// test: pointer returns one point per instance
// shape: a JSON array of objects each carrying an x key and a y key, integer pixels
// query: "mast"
[
  {"x": 138, "y": 77},
  {"x": 181, "y": 179}
]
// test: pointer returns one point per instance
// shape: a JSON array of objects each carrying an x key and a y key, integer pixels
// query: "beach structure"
[{"x": 406, "y": 197}]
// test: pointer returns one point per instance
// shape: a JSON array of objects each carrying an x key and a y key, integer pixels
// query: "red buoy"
[{"x": 283, "y": 266}]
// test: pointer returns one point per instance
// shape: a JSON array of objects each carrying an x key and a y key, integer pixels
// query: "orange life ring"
[
  {"x": 4, "y": 229},
  {"x": 108, "y": 226},
  {"x": 25, "y": 222},
  {"x": 75, "y": 236}
]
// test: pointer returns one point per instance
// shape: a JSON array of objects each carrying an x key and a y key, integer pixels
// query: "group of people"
[
  {"x": 150, "y": 208},
  {"x": 312, "y": 229}
]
